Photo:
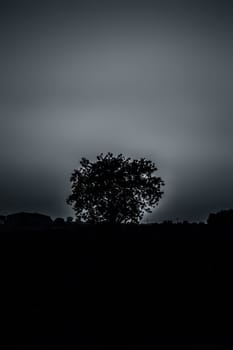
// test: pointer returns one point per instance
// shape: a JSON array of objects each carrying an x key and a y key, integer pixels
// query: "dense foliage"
[{"x": 114, "y": 189}]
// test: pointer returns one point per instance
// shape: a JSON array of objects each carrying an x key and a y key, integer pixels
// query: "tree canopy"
[{"x": 114, "y": 189}]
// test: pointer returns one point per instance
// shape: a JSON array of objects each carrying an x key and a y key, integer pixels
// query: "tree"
[
  {"x": 223, "y": 217},
  {"x": 114, "y": 189}
]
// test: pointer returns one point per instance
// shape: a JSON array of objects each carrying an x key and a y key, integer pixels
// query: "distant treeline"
[
  {"x": 31, "y": 219},
  {"x": 223, "y": 217}
]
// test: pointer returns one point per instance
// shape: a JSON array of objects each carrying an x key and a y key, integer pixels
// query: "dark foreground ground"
[{"x": 88, "y": 287}]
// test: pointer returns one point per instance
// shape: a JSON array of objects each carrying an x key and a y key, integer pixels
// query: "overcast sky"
[{"x": 144, "y": 78}]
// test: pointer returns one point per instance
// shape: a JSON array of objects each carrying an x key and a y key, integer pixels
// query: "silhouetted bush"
[
  {"x": 69, "y": 219},
  {"x": 223, "y": 217},
  {"x": 59, "y": 222}
]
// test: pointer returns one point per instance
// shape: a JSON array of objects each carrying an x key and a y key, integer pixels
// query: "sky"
[{"x": 149, "y": 79}]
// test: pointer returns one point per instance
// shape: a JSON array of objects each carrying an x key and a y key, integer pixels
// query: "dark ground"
[{"x": 88, "y": 287}]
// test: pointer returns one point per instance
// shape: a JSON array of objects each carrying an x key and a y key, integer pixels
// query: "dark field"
[{"x": 88, "y": 287}]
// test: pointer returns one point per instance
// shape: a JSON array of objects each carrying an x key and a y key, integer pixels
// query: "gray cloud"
[{"x": 149, "y": 79}]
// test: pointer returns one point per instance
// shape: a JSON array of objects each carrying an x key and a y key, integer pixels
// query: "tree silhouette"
[
  {"x": 223, "y": 217},
  {"x": 114, "y": 189}
]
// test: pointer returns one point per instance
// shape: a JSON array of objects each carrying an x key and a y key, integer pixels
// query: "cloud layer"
[{"x": 144, "y": 78}]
